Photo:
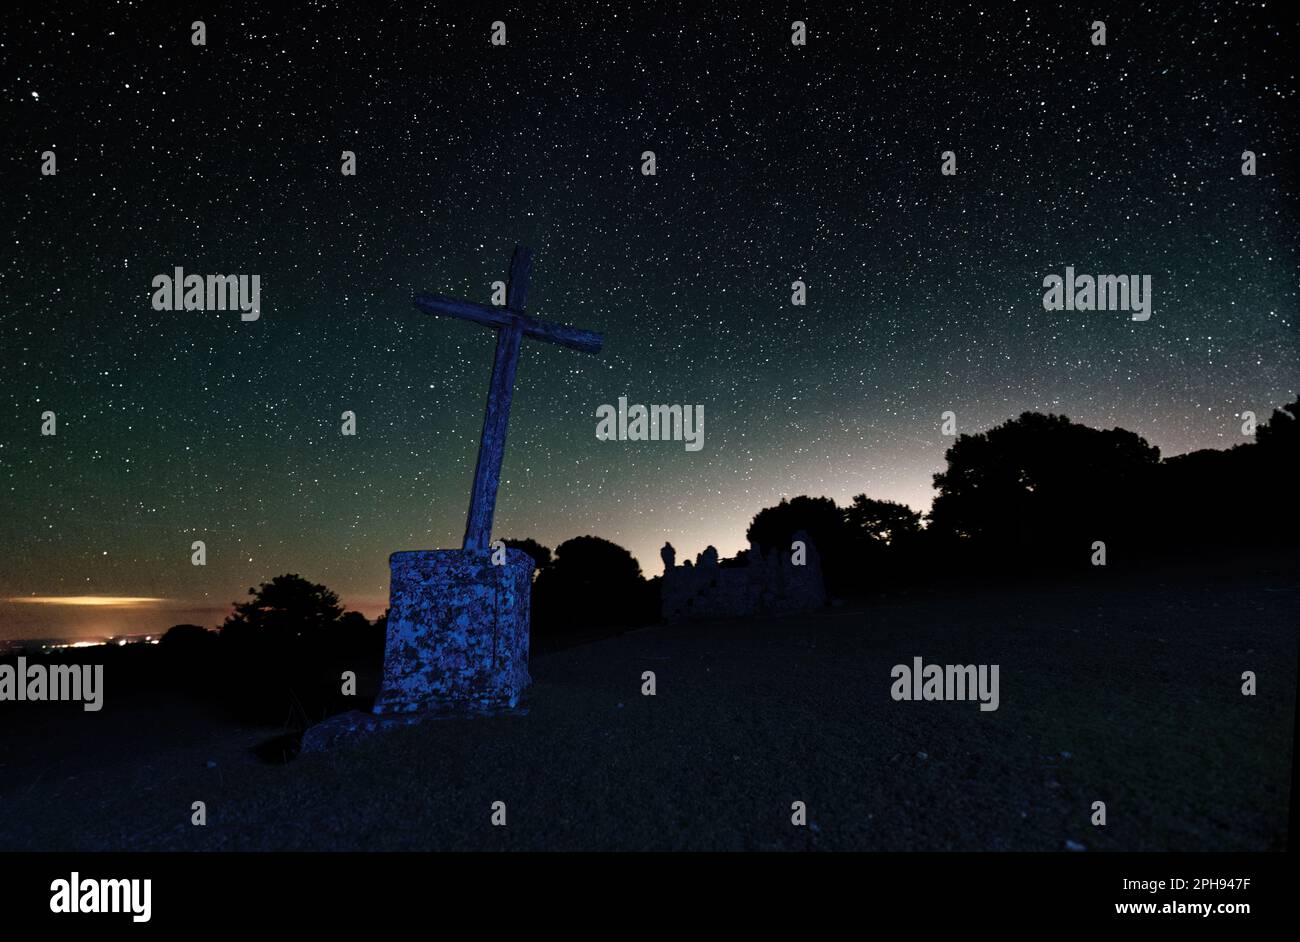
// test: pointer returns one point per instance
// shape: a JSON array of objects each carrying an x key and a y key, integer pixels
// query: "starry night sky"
[{"x": 775, "y": 163}]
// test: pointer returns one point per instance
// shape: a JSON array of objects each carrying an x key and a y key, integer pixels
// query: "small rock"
[{"x": 212, "y": 763}]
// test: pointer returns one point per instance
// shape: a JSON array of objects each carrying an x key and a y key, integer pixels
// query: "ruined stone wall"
[{"x": 768, "y": 583}]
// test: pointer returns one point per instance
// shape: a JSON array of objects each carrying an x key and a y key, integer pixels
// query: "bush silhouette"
[{"x": 187, "y": 637}]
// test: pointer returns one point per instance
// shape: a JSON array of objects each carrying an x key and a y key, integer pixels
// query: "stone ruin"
[{"x": 761, "y": 584}]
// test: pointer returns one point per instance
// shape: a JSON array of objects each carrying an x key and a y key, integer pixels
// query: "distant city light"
[{"x": 121, "y": 601}]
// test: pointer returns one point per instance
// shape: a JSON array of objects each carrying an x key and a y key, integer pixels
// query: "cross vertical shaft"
[
  {"x": 458, "y": 628},
  {"x": 511, "y": 325},
  {"x": 496, "y": 417}
]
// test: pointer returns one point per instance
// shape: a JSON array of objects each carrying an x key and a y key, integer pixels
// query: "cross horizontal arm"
[{"x": 562, "y": 334}]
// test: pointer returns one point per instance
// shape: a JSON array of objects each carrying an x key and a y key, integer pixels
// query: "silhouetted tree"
[
  {"x": 1281, "y": 433},
  {"x": 286, "y": 647},
  {"x": 885, "y": 541},
  {"x": 823, "y": 520},
  {"x": 286, "y": 607},
  {"x": 882, "y": 521},
  {"x": 1245, "y": 496},
  {"x": 1040, "y": 488},
  {"x": 541, "y": 554},
  {"x": 590, "y": 584},
  {"x": 352, "y": 632},
  {"x": 1278, "y": 442}
]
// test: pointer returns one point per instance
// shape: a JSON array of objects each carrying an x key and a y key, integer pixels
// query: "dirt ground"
[{"x": 1125, "y": 690}]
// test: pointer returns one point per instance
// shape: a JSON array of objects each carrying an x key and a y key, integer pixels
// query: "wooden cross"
[{"x": 512, "y": 326}]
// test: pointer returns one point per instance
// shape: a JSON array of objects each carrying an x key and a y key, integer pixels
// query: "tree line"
[{"x": 1035, "y": 495}]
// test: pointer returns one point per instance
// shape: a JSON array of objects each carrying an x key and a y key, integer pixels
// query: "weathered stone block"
[{"x": 457, "y": 631}]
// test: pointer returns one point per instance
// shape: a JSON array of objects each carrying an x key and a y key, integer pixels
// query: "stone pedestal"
[
  {"x": 457, "y": 643},
  {"x": 457, "y": 632}
]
